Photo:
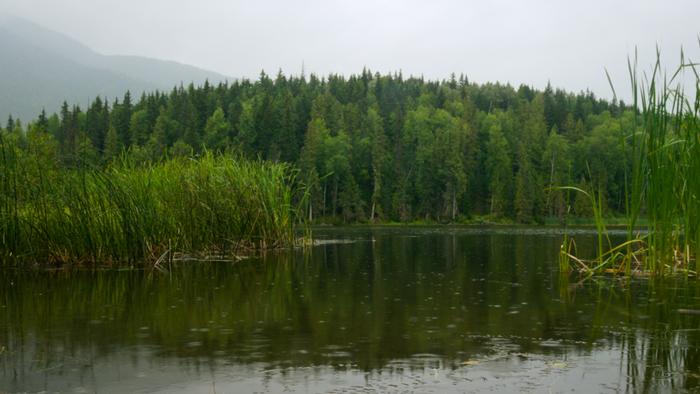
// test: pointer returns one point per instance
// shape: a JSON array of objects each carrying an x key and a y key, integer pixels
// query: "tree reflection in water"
[{"x": 441, "y": 309}]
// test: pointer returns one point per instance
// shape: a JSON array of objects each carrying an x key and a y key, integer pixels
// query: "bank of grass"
[
  {"x": 663, "y": 181},
  {"x": 214, "y": 204},
  {"x": 609, "y": 222}
]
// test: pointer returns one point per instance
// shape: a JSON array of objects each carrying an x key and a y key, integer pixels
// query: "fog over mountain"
[{"x": 41, "y": 68}]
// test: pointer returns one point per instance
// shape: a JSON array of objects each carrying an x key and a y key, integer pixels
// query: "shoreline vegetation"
[
  {"x": 663, "y": 181},
  {"x": 480, "y": 220},
  {"x": 217, "y": 169},
  {"x": 374, "y": 147},
  {"x": 59, "y": 211}
]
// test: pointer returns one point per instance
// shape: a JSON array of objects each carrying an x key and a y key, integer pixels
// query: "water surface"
[{"x": 386, "y": 310}]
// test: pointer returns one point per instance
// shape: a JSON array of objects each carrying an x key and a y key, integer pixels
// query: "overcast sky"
[{"x": 569, "y": 43}]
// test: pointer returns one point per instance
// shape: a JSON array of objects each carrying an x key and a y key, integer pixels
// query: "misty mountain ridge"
[{"x": 41, "y": 68}]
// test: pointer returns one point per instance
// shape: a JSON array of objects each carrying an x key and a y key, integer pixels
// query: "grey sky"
[{"x": 568, "y": 42}]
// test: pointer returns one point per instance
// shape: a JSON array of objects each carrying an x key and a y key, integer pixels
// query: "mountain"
[
  {"x": 41, "y": 68},
  {"x": 32, "y": 78}
]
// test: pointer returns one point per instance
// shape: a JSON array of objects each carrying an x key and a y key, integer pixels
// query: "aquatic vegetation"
[
  {"x": 128, "y": 213},
  {"x": 663, "y": 151}
]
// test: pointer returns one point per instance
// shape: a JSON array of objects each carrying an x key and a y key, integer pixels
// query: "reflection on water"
[{"x": 444, "y": 310}]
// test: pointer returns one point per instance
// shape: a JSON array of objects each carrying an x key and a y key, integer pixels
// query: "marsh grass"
[
  {"x": 663, "y": 180},
  {"x": 665, "y": 167},
  {"x": 126, "y": 213}
]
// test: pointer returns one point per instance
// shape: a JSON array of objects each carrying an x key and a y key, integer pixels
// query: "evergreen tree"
[
  {"x": 556, "y": 157},
  {"x": 338, "y": 151},
  {"x": 10, "y": 123},
  {"x": 53, "y": 126},
  {"x": 97, "y": 118},
  {"x": 457, "y": 143},
  {"x": 350, "y": 202},
  {"x": 112, "y": 147},
  {"x": 235, "y": 109},
  {"x": 246, "y": 138},
  {"x": 315, "y": 159},
  {"x": 417, "y": 167},
  {"x": 140, "y": 128},
  {"x": 525, "y": 189},
  {"x": 121, "y": 119},
  {"x": 289, "y": 143},
  {"x": 375, "y": 137},
  {"x": 216, "y": 132},
  {"x": 193, "y": 140},
  {"x": 42, "y": 122},
  {"x": 159, "y": 142},
  {"x": 498, "y": 168}
]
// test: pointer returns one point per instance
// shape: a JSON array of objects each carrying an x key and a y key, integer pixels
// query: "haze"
[{"x": 570, "y": 44}]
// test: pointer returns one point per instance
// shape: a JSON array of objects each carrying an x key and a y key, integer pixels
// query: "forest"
[{"x": 373, "y": 147}]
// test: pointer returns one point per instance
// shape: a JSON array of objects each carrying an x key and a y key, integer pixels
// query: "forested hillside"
[
  {"x": 41, "y": 68},
  {"x": 32, "y": 78},
  {"x": 377, "y": 147}
]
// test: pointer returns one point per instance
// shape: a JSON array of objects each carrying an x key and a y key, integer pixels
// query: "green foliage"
[
  {"x": 525, "y": 194},
  {"x": 246, "y": 137},
  {"x": 137, "y": 212},
  {"x": 392, "y": 148},
  {"x": 556, "y": 158},
  {"x": 498, "y": 168},
  {"x": 216, "y": 132},
  {"x": 656, "y": 153},
  {"x": 112, "y": 147},
  {"x": 665, "y": 161}
]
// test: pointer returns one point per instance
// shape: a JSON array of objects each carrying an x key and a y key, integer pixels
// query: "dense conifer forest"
[{"x": 375, "y": 147}]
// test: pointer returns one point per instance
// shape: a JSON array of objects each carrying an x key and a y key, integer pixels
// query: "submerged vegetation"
[
  {"x": 58, "y": 211},
  {"x": 663, "y": 181}
]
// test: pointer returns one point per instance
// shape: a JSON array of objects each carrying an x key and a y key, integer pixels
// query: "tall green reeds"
[
  {"x": 663, "y": 181},
  {"x": 665, "y": 167},
  {"x": 212, "y": 204}
]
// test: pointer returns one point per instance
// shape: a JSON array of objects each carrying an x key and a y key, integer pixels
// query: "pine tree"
[
  {"x": 97, "y": 118},
  {"x": 350, "y": 202},
  {"x": 216, "y": 132},
  {"x": 10, "y": 123},
  {"x": 42, "y": 122},
  {"x": 289, "y": 146},
  {"x": 121, "y": 119}
]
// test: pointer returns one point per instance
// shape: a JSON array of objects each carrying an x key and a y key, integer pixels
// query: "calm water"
[{"x": 389, "y": 310}]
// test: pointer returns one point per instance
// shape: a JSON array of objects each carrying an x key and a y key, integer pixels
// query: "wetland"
[{"x": 386, "y": 309}]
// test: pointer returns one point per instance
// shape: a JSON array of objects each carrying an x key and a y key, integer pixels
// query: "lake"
[{"x": 364, "y": 310}]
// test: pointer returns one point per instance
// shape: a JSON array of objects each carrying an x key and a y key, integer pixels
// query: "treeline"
[{"x": 377, "y": 147}]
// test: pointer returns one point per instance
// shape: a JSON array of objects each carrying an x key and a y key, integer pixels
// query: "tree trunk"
[
  {"x": 325, "y": 186},
  {"x": 551, "y": 180},
  {"x": 454, "y": 204},
  {"x": 335, "y": 197}
]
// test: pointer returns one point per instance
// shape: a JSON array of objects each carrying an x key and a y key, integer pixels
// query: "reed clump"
[
  {"x": 663, "y": 178},
  {"x": 54, "y": 212}
]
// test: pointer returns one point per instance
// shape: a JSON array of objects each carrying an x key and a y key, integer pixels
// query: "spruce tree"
[{"x": 10, "y": 123}]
